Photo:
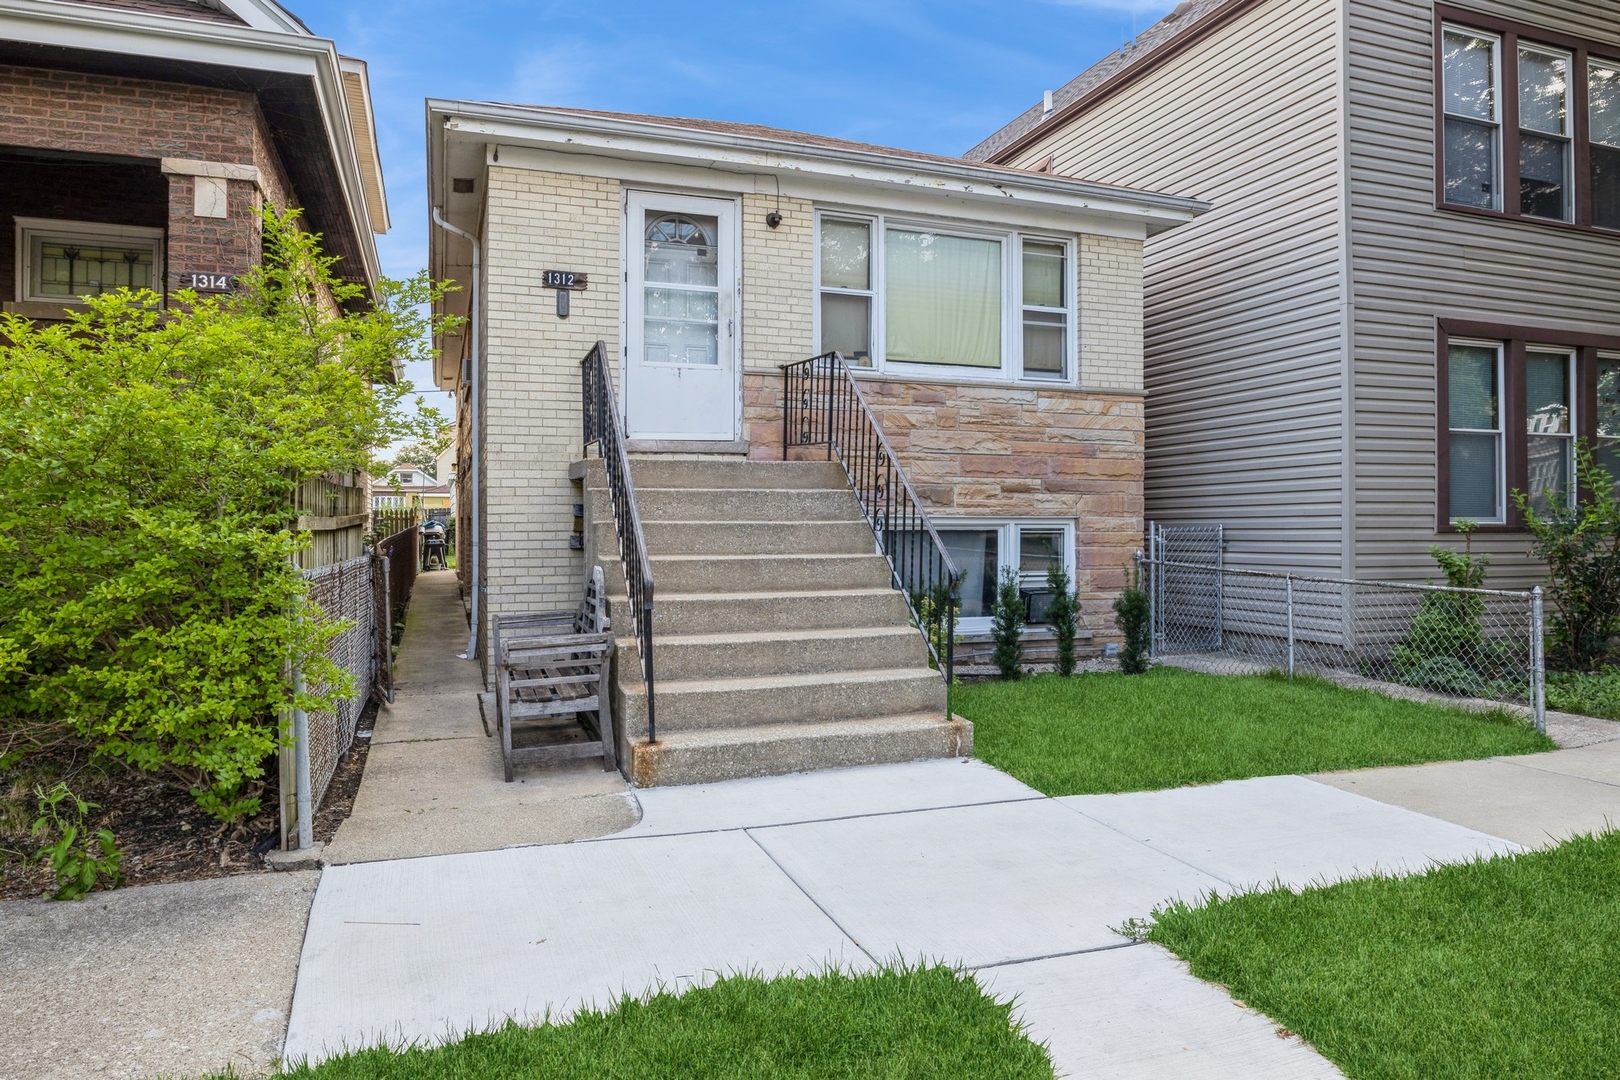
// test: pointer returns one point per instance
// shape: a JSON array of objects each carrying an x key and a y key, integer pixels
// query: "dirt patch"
[{"x": 165, "y": 837}]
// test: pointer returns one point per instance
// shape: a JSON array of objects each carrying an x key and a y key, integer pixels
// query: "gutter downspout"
[{"x": 475, "y": 412}]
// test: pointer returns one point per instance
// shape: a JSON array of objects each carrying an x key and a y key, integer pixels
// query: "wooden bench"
[{"x": 556, "y": 664}]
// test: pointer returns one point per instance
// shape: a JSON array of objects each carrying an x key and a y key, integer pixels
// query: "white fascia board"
[
  {"x": 618, "y": 138},
  {"x": 113, "y": 30},
  {"x": 358, "y": 66}
]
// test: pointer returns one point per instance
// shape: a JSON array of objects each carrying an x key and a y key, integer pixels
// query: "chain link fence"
[{"x": 1465, "y": 643}]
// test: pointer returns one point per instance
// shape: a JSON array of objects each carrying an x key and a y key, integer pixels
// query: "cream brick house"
[{"x": 992, "y": 318}]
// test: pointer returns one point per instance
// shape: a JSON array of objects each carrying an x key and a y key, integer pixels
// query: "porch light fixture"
[{"x": 773, "y": 219}]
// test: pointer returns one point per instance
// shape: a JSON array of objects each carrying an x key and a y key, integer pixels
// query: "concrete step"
[
  {"x": 663, "y": 472},
  {"x": 677, "y": 613},
  {"x": 756, "y": 573},
  {"x": 746, "y": 537},
  {"x": 779, "y": 652},
  {"x": 697, "y": 704},
  {"x": 733, "y": 504},
  {"x": 695, "y": 757}
]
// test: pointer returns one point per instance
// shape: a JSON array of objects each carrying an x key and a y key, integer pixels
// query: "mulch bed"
[{"x": 165, "y": 836}]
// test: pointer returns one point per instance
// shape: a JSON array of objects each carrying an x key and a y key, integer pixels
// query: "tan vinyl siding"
[
  {"x": 1244, "y": 322},
  {"x": 1414, "y": 264}
]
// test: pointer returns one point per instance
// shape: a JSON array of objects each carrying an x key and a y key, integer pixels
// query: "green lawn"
[
  {"x": 899, "y": 1024},
  {"x": 1097, "y": 733},
  {"x": 1501, "y": 968}
]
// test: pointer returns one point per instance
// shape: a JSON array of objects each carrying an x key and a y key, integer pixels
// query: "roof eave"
[{"x": 561, "y": 129}]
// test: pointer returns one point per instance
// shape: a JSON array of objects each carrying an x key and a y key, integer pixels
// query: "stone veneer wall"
[{"x": 1009, "y": 452}]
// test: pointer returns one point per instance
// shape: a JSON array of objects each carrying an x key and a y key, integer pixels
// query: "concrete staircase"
[{"x": 780, "y": 645}]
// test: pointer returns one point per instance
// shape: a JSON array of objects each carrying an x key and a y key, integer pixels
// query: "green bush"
[
  {"x": 1444, "y": 647},
  {"x": 1062, "y": 613},
  {"x": 1581, "y": 546},
  {"x": 148, "y": 458},
  {"x": 1132, "y": 613},
  {"x": 1007, "y": 625}
]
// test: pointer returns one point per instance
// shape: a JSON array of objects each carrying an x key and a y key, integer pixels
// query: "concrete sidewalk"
[
  {"x": 1532, "y": 799},
  {"x": 939, "y": 860},
  {"x": 433, "y": 783}
]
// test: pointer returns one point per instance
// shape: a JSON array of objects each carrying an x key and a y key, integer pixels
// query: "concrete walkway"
[
  {"x": 172, "y": 980},
  {"x": 942, "y": 860},
  {"x": 433, "y": 782},
  {"x": 1533, "y": 799}
]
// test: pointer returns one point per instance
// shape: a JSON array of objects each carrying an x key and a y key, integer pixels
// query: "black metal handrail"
[
  {"x": 823, "y": 404},
  {"x": 604, "y": 426}
]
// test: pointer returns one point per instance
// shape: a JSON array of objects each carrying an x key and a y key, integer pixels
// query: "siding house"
[
  {"x": 138, "y": 138},
  {"x": 1405, "y": 305},
  {"x": 990, "y": 317}
]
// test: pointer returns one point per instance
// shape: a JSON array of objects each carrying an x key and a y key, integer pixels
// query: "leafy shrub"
[
  {"x": 76, "y": 864},
  {"x": 1007, "y": 625},
  {"x": 1132, "y": 613},
  {"x": 148, "y": 458},
  {"x": 1581, "y": 546},
  {"x": 1062, "y": 613},
  {"x": 1444, "y": 647},
  {"x": 1585, "y": 693}
]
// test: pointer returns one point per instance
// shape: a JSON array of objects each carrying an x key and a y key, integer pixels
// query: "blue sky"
[{"x": 934, "y": 76}]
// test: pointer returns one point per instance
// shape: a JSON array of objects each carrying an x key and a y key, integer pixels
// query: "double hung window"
[
  {"x": 901, "y": 296},
  {"x": 1544, "y": 144},
  {"x": 1608, "y": 415},
  {"x": 1517, "y": 101},
  {"x": 1517, "y": 409},
  {"x": 1475, "y": 398},
  {"x": 1472, "y": 118}
]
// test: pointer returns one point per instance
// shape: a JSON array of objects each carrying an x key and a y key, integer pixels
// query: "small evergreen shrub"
[
  {"x": 1132, "y": 614},
  {"x": 1444, "y": 649},
  {"x": 1007, "y": 625},
  {"x": 1062, "y": 614}
]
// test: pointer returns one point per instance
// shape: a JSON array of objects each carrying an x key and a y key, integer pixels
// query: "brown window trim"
[
  {"x": 1583, "y": 50},
  {"x": 1514, "y": 339}
]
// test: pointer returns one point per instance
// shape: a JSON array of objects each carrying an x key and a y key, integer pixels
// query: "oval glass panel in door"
[{"x": 682, "y": 282}]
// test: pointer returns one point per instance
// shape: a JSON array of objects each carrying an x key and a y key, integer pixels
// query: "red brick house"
[{"x": 138, "y": 136}]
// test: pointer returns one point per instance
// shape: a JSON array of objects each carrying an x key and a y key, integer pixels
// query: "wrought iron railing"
[
  {"x": 604, "y": 426},
  {"x": 823, "y": 404}
]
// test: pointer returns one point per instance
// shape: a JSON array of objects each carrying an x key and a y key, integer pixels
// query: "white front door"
[{"x": 680, "y": 318}]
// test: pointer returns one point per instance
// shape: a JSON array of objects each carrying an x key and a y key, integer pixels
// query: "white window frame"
[
  {"x": 1572, "y": 390},
  {"x": 1502, "y": 420},
  {"x": 1498, "y": 188},
  {"x": 1012, "y": 298},
  {"x": 1568, "y": 136},
  {"x": 1007, "y": 547},
  {"x": 28, "y": 229}
]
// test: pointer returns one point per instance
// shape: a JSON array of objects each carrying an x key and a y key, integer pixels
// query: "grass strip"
[
  {"x": 1104, "y": 732},
  {"x": 908, "y": 1024},
  {"x": 1497, "y": 968}
]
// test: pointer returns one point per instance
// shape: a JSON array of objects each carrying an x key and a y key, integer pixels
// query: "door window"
[{"x": 681, "y": 317}]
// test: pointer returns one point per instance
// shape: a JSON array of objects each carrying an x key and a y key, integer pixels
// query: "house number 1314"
[{"x": 208, "y": 282}]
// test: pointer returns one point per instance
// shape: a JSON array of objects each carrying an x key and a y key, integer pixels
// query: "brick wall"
[
  {"x": 1110, "y": 312},
  {"x": 778, "y": 268},
  {"x": 539, "y": 220},
  {"x": 115, "y": 194},
  {"x": 141, "y": 118}
]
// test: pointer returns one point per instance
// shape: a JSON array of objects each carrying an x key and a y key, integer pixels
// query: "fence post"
[
  {"x": 1290, "y": 580},
  {"x": 306, "y": 811},
  {"x": 1538, "y": 662}
]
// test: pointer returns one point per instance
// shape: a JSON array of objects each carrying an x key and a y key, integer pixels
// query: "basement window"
[
  {"x": 981, "y": 549},
  {"x": 67, "y": 260}
]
